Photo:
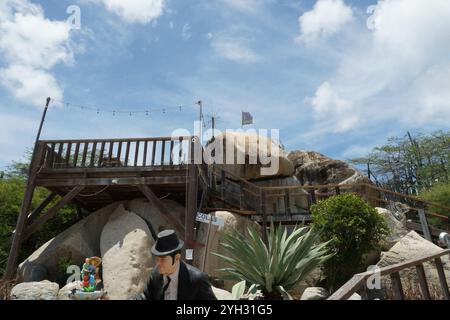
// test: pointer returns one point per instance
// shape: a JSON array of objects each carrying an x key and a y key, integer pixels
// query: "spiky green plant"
[{"x": 278, "y": 266}]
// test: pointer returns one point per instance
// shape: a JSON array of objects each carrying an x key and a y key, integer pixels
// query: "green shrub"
[
  {"x": 439, "y": 194},
  {"x": 355, "y": 227},
  {"x": 275, "y": 268}
]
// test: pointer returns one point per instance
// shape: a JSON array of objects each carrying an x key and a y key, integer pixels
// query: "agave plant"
[{"x": 277, "y": 267}]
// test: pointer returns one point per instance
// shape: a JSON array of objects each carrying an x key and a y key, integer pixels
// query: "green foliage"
[
  {"x": 410, "y": 164},
  {"x": 439, "y": 194},
  {"x": 355, "y": 227},
  {"x": 12, "y": 188},
  {"x": 277, "y": 267}
]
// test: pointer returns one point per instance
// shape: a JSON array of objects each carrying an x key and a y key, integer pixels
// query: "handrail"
[{"x": 357, "y": 281}]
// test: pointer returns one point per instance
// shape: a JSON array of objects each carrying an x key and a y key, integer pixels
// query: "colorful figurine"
[{"x": 90, "y": 276}]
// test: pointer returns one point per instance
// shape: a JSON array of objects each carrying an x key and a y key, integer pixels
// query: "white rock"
[
  {"x": 355, "y": 296},
  {"x": 67, "y": 289},
  {"x": 126, "y": 258},
  {"x": 43, "y": 290},
  {"x": 222, "y": 294},
  {"x": 397, "y": 228},
  {"x": 314, "y": 293}
]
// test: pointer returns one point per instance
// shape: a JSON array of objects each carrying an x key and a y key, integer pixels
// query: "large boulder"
[
  {"x": 143, "y": 208},
  {"x": 246, "y": 145},
  {"x": 125, "y": 245},
  {"x": 413, "y": 246},
  {"x": 64, "y": 292},
  {"x": 397, "y": 227},
  {"x": 71, "y": 246},
  {"x": 314, "y": 168},
  {"x": 43, "y": 290},
  {"x": 203, "y": 257}
]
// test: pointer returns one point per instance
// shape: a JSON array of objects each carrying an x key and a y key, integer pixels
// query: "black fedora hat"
[{"x": 167, "y": 242}]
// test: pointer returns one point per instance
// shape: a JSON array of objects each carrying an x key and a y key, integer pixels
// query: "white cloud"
[
  {"x": 135, "y": 11},
  {"x": 234, "y": 49},
  {"x": 327, "y": 103},
  {"x": 325, "y": 19},
  {"x": 399, "y": 72},
  {"x": 185, "y": 34},
  {"x": 30, "y": 45}
]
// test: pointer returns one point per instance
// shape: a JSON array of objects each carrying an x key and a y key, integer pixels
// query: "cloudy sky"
[{"x": 334, "y": 76}]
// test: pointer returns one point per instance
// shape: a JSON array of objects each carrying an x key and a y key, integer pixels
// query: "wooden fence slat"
[
  {"x": 153, "y": 152},
  {"x": 144, "y": 160},
  {"x": 136, "y": 154},
  {"x": 94, "y": 147},
  {"x": 127, "y": 153},
  {"x": 397, "y": 286},
  {"x": 75, "y": 156},
  {"x": 85, "y": 150},
  {"x": 162, "y": 152},
  {"x": 68, "y": 150},
  {"x": 100, "y": 156},
  {"x": 442, "y": 279},
  {"x": 423, "y": 282},
  {"x": 171, "y": 152},
  {"x": 119, "y": 152}
]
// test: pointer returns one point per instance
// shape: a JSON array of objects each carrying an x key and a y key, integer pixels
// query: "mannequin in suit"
[{"x": 172, "y": 278}]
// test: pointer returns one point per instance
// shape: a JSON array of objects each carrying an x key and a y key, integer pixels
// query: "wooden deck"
[{"x": 92, "y": 173}]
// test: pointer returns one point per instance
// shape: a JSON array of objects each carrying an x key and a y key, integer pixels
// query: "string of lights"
[{"x": 130, "y": 111}]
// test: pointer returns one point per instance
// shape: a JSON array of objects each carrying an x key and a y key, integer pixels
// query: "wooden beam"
[
  {"x": 423, "y": 282},
  {"x": 40, "y": 207},
  {"x": 175, "y": 180},
  {"x": 52, "y": 211},
  {"x": 148, "y": 193},
  {"x": 191, "y": 205},
  {"x": 21, "y": 221}
]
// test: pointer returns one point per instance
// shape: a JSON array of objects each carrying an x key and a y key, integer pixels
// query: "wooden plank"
[
  {"x": 100, "y": 156},
  {"x": 144, "y": 160},
  {"x": 127, "y": 153},
  {"x": 17, "y": 239},
  {"x": 52, "y": 156},
  {"x": 148, "y": 193},
  {"x": 442, "y": 278},
  {"x": 69, "y": 149},
  {"x": 263, "y": 211},
  {"x": 435, "y": 232},
  {"x": 119, "y": 153},
  {"x": 40, "y": 207},
  {"x": 162, "y": 180},
  {"x": 348, "y": 288},
  {"x": 136, "y": 153},
  {"x": 153, "y": 152},
  {"x": 180, "y": 151},
  {"x": 397, "y": 286},
  {"x": 423, "y": 282},
  {"x": 171, "y": 152},
  {"x": 94, "y": 147},
  {"x": 287, "y": 202},
  {"x": 75, "y": 156},
  {"x": 191, "y": 205},
  {"x": 162, "y": 152},
  {"x": 83, "y": 158},
  {"x": 424, "y": 223},
  {"x": 52, "y": 211},
  {"x": 110, "y": 153},
  {"x": 59, "y": 157}
]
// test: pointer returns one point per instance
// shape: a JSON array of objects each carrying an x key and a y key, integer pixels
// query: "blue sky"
[{"x": 330, "y": 76}]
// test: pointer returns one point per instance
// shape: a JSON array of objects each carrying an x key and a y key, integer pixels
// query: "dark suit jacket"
[{"x": 192, "y": 285}]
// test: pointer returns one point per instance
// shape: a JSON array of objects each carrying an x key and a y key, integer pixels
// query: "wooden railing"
[
  {"x": 107, "y": 153},
  {"x": 358, "y": 283}
]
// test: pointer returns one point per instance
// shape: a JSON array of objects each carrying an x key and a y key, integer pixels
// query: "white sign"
[
  {"x": 207, "y": 218},
  {"x": 189, "y": 254}
]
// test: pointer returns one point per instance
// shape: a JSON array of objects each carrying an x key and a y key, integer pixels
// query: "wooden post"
[
  {"x": 263, "y": 212},
  {"x": 192, "y": 194},
  {"x": 397, "y": 286},
  {"x": 442, "y": 279},
  {"x": 40, "y": 207},
  {"x": 423, "y": 282},
  {"x": 26, "y": 203}
]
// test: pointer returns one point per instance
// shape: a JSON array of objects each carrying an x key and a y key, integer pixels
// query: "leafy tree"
[
  {"x": 439, "y": 194},
  {"x": 355, "y": 229},
  {"x": 278, "y": 266}
]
